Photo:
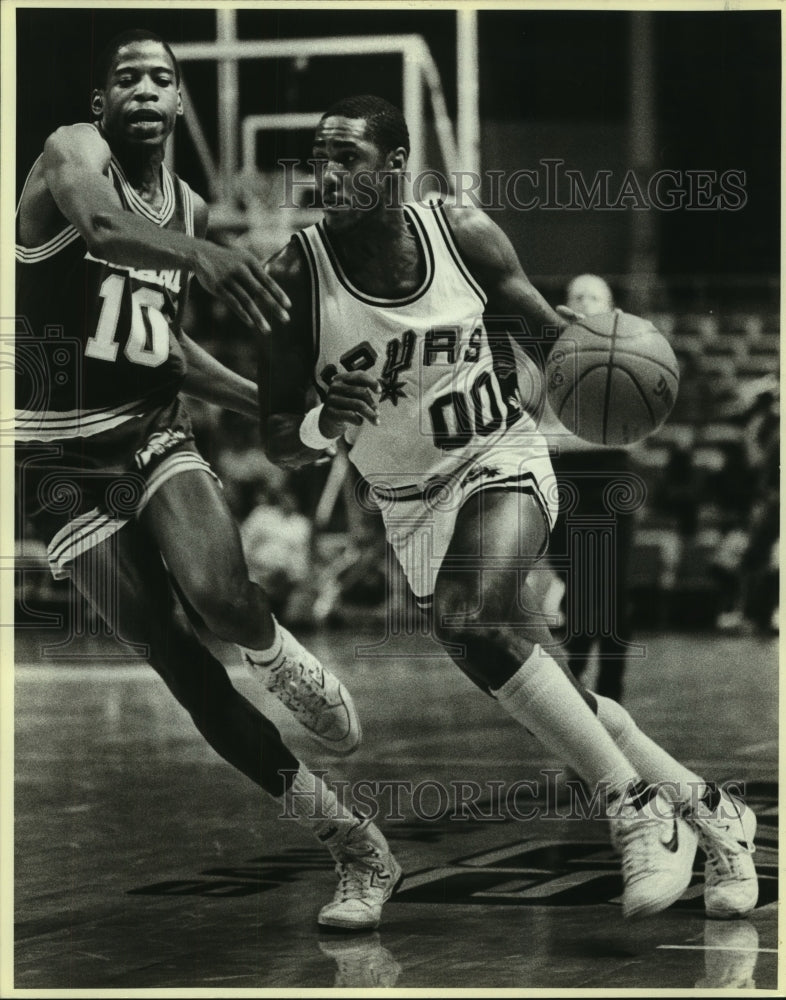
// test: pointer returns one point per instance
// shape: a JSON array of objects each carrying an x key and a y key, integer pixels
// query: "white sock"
[
  {"x": 314, "y": 805},
  {"x": 542, "y": 698},
  {"x": 272, "y": 655},
  {"x": 651, "y": 761}
]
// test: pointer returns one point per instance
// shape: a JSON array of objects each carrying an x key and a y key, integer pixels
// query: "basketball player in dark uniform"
[
  {"x": 392, "y": 308},
  {"x": 107, "y": 240}
]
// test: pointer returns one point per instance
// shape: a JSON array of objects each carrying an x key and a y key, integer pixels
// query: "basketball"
[{"x": 612, "y": 378}]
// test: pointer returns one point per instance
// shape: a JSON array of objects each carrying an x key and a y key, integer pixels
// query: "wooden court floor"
[{"x": 142, "y": 860}]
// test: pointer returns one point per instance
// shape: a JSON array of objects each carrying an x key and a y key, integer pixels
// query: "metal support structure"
[
  {"x": 253, "y": 124},
  {"x": 413, "y": 113},
  {"x": 641, "y": 140},
  {"x": 468, "y": 90},
  {"x": 419, "y": 72},
  {"x": 226, "y": 32}
]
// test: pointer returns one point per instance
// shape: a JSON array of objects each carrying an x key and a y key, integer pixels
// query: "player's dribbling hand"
[
  {"x": 241, "y": 281},
  {"x": 352, "y": 397},
  {"x": 570, "y": 314}
]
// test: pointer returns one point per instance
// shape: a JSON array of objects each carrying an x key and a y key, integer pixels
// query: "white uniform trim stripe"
[
  {"x": 79, "y": 535},
  {"x": 32, "y": 255},
  {"x": 372, "y": 300},
  {"x": 525, "y": 482},
  {"x": 41, "y": 426},
  {"x": 182, "y": 461},
  {"x": 139, "y": 205},
  {"x": 27, "y": 181},
  {"x": 308, "y": 253},
  {"x": 188, "y": 206},
  {"x": 68, "y": 416},
  {"x": 450, "y": 243},
  {"x": 94, "y": 527}
]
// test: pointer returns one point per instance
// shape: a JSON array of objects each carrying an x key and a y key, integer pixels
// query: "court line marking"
[
  {"x": 715, "y": 947},
  {"x": 120, "y": 670},
  {"x": 758, "y": 747}
]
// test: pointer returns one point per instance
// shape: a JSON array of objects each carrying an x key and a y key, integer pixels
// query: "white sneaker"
[
  {"x": 368, "y": 875},
  {"x": 657, "y": 849},
  {"x": 731, "y": 886},
  {"x": 317, "y": 699}
]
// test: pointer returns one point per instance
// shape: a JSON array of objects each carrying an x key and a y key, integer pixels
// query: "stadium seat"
[
  {"x": 675, "y": 435},
  {"x": 719, "y": 433},
  {"x": 701, "y": 324},
  {"x": 663, "y": 321},
  {"x": 757, "y": 366},
  {"x": 748, "y": 325}
]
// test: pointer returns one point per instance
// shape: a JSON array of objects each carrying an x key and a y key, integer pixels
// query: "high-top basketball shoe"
[
  {"x": 726, "y": 826},
  {"x": 368, "y": 875},
  {"x": 315, "y": 696},
  {"x": 657, "y": 848}
]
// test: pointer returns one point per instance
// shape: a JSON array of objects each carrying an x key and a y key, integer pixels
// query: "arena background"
[
  {"x": 701, "y": 93},
  {"x": 599, "y": 90}
]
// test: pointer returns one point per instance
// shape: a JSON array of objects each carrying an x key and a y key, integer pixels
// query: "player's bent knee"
[
  {"x": 481, "y": 615},
  {"x": 454, "y": 612}
]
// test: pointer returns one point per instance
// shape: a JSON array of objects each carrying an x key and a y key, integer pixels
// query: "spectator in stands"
[
  {"x": 695, "y": 400},
  {"x": 276, "y": 540},
  {"x": 678, "y": 493},
  {"x": 241, "y": 463},
  {"x": 749, "y": 575},
  {"x": 596, "y": 612}
]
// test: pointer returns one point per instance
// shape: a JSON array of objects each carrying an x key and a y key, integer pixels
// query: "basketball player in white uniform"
[{"x": 388, "y": 323}]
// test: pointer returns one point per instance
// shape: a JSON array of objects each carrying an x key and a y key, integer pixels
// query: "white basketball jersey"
[{"x": 442, "y": 403}]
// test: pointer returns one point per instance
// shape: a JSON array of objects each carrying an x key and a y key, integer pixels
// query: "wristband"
[{"x": 310, "y": 434}]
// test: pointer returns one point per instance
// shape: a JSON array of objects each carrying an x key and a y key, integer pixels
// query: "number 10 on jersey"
[{"x": 148, "y": 335}]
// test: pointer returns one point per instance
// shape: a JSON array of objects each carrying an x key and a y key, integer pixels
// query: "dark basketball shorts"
[{"x": 79, "y": 492}]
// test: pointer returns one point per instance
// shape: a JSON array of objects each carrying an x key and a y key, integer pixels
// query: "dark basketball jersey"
[{"x": 96, "y": 342}]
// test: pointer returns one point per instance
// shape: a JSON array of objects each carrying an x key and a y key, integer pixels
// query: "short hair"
[
  {"x": 106, "y": 56},
  {"x": 385, "y": 123}
]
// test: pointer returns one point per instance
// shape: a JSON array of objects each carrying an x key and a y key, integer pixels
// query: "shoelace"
[
  {"x": 354, "y": 879},
  {"x": 632, "y": 840},
  {"x": 723, "y": 851},
  {"x": 285, "y": 681}
]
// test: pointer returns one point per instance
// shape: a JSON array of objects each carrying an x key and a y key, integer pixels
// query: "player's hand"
[
  {"x": 240, "y": 280},
  {"x": 570, "y": 314},
  {"x": 352, "y": 397}
]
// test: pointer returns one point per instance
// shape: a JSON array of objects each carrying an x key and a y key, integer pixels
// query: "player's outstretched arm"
[
  {"x": 209, "y": 380},
  {"x": 295, "y": 432},
  {"x": 494, "y": 264},
  {"x": 75, "y": 167}
]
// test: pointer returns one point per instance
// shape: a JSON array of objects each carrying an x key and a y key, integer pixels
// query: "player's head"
[
  {"x": 137, "y": 93},
  {"x": 361, "y": 145},
  {"x": 589, "y": 294}
]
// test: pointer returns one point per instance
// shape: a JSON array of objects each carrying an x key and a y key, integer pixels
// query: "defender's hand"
[
  {"x": 351, "y": 398},
  {"x": 236, "y": 277}
]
